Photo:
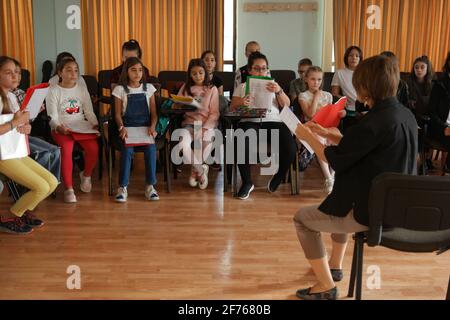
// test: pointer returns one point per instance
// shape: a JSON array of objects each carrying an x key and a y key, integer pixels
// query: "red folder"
[
  {"x": 328, "y": 116},
  {"x": 30, "y": 92}
]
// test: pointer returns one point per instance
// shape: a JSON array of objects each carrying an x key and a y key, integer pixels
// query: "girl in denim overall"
[{"x": 135, "y": 108}]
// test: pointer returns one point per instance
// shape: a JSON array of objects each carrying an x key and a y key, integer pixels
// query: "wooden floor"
[{"x": 190, "y": 245}]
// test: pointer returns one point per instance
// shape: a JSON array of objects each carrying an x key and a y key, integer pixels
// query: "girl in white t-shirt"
[
  {"x": 135, "y": 107},
  {"x": 73, "y": 120},
  {"x": 311, "y": 101},
  {"x": 342, "y": 83}
]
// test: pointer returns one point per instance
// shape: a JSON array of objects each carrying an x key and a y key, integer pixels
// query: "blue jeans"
[
  {"x": 150, "y": 164},
  {"x": 47, "y": 155}
]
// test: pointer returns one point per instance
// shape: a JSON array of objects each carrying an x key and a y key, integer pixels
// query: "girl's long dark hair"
[
  {"x": 189, "y": 82},
  {"x": 6, "y": 107},
  {"x": 124, "y": 80},
  {"x": 428, "y": 77},
  {"x": 446, "y": 67}
]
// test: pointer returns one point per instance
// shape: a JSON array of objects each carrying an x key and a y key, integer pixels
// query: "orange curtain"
[
  {"x": 16, "y": 32},
  {"x": 171, "y": 32},
  {"x": 409, "y": 28}
]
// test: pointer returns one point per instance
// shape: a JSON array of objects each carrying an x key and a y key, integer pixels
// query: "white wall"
[
  {"x": 51, "y": 35},
  {"x": 285, "y": 37}
]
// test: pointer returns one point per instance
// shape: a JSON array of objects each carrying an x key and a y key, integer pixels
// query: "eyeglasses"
[{"x": 258, "y": 69}]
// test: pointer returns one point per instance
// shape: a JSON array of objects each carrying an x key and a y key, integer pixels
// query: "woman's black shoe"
[
  {"x": 305, "y": 294},
  {"x": 337, "y": 274}
]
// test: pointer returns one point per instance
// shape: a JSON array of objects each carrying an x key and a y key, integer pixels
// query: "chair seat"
[{"x": 415, "y": 241}]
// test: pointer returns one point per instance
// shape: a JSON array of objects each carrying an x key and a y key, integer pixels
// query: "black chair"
[
  {"x": 407, "y": 213},
  {"x": 429, "y": 143},
  {"x": 13, "y": 188},
  {"x": 326, "y": 82},
  {"x": 93, "y": 88},
  {"x": 228, "y": 81},
  {"x": 171, "y": 81},
  {"x": 25, "y": 81},
  {"x": 283, "y": 78}
]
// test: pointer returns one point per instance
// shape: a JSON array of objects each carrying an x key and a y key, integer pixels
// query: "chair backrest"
[
  {"x": 92, "y": 85},
  {"x": 283, "y": 78},
  {"x": 228, "y": 80},
  {"x": 327, "y": 79},
  {"x": 172, "y": 80},
  {"x": 418, "y": 203},
  {"x": 25, "y": 81}
]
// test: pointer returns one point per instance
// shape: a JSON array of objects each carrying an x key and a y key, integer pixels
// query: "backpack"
[{"x": 163, "y": 121}]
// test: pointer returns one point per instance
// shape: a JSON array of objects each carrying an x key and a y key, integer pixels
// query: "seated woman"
[
  {"x": 440, "y": 110},
  {"x": 258, "y": 65},
  {"x": 384, "y": 140},
  {"x": 25, "y": 171}
]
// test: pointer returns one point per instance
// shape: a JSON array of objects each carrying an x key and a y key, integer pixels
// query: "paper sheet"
[
  {"x": 138, "y": 135},
  {"x": 81, "y": 127},
  {"x": 36, "y": 101},
  {"x": 292, "y": 122},
  {"x": 260, "y": 97},
  {"x": 13, "y": 145}
]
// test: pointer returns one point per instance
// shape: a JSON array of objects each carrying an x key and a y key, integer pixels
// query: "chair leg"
[
  {"x": 100, "y": 159},
  {"x": 110, "y": 172},
  {"x": 351, "y": 287},
  {"x": 448, "y": 290},
  {"x": 167, "y": 166},
  {"x": 360, "y": 240}
]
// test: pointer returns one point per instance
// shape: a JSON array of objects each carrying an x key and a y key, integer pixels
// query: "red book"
[
  {"x": 30, "y": 92},
  {"x": 328, "y": 116}
]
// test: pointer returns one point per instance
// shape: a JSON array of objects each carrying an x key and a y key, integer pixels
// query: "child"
[
  {"x": 56, "y": 79},
  {"x": 342, "y": 84},
  {"x": 135, "y": 107},
  {"x": 209, "y": 59},
  {"x": 311, "y": 101},
  {"x": 46, "y": 154},
  {"x": 198, "y": 86},
  {"x": 70, "y": 107},
  {"x": 259, "y": 66},
  {"x": 420, "y": 84},
  {"x": 24, "y": 171},
  {"x": 298, "y": 86},
  {"x": 130, "y": 49}
]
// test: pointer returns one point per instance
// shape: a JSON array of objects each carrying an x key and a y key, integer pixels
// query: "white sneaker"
[
  {"x": 193, "y": 179},
  {"x": 328, "y": 185},
  {"x": 203, "y": 180},
  {"x": 86, "y": 183},
  {"x": 122, "y": 195},
  {"x": 151, "y": 194},
  {"x": 69, "y": 196}
]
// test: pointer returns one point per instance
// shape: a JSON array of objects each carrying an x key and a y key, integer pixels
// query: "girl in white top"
[
  {"x": 342, "y": 80},
  {"x": 73, "y": 120},
  {"x": 311, "y": 101}
]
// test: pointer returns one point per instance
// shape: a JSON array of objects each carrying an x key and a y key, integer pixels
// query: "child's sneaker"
[
  {"x": 203, "y": 180},
  {"x": 29, "y": 219},
  {"x": 193, "y": 178},
  {"x": 151, "y": 194},
  {"x": 86, "y": 183},
  {"x": 122, "y": 195},
  {"x": 69, "y": 196},
  {"x": 328, "y": 185},
  {"x": 14, "y": 225}
]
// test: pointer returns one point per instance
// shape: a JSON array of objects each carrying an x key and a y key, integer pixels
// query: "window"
[{"x": 228, "y": 36}]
